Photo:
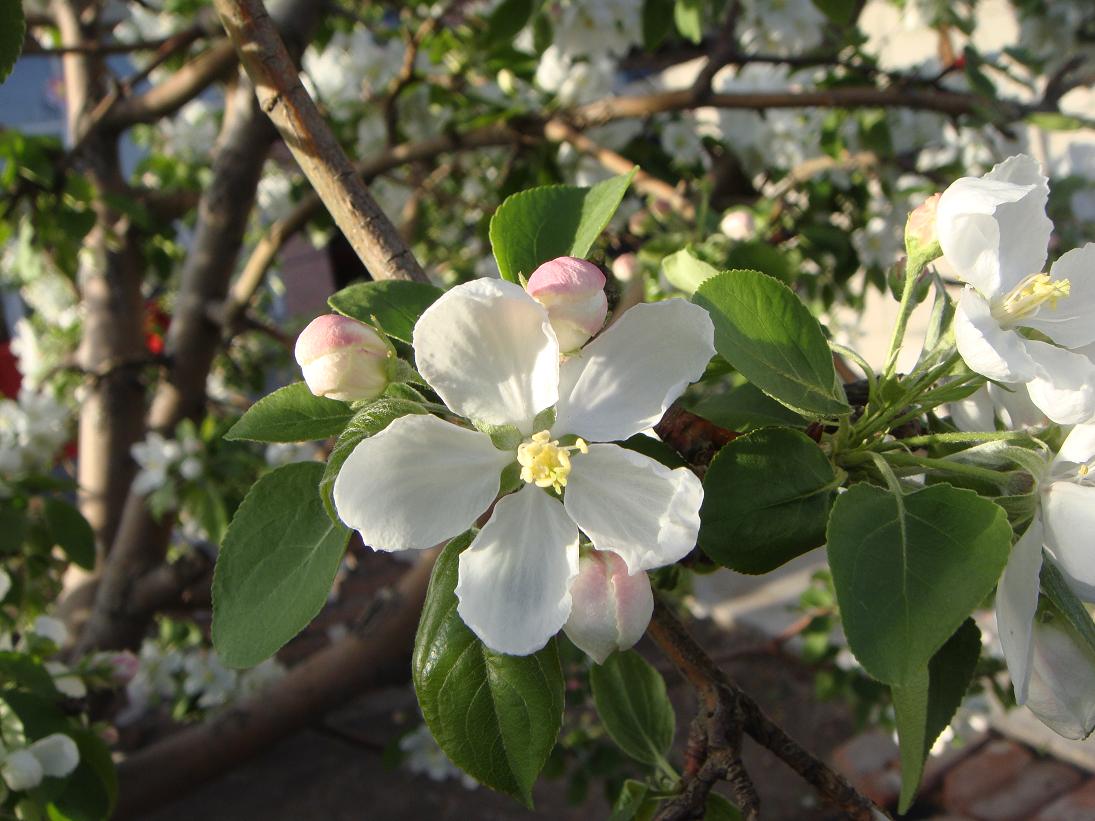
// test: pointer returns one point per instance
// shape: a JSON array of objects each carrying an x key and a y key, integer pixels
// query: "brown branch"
[
  {"x": 315, "y": 148},
  {"x": 33, "y": 49},
  {"x": 173, "y": 93},
  {"x": 562, "y": 131},
  {"x": 726, "y": 711},
  {"x": 375, "y": 653}
]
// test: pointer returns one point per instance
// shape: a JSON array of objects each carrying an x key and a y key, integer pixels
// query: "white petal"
[
  {"x": 57, "y": 754},
  {"x": 987, "y": 348},
  {"x": 1062, "y": 682},
  {"x": 1078, "y": 447},
  {"x": 622, "y": 382},
  {"x": 1016, "y": 604},
  {"x": 994, "y": 230},
  {"x": 1072, "y": 322},
  {"x": 629, "y": 504},
  {"x": 514, "y": 579},
  {"x": 1024, "y": 227},
  {"x": 1064, "y": 383},
  {"x": 1015, "y": 407},
  {"x": 1069, "y": 511},
  {"x": 977, "y": 412},
  {"x": 488, "y": 350},
  {"x": 418, "y": 482},
  {"x": 21, "y": 770}
]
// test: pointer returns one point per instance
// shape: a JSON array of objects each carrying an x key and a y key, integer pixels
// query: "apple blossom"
[
  {"x": 573, "y": 292},
  {"x": 921, "y": 242},
  {"x": 1061, "y": 525},
  {"x": 738, "y": 224},
  {"x": 343, "y": 359},
  {"x": 55, "y": 756},
  {"x": 611, "y": 607},
  {"x": 489, "y": 351},
  {"x": 994, "y": 232},
  {"x": 1062, "y": 679},
  {"x": 5, "y": 583}
]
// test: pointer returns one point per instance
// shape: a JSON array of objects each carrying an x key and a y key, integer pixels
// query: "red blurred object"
[
  {"x": 156, "y": 323},
  {"x": 10, "y": 378}
]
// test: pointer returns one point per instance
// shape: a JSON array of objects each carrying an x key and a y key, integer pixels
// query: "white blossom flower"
[
  {"x": 156, "y": 454},
  {"x": 994, "y": 231},
  {"x": 66, "y": 682},
  {"x": 1062, "y": 525},
  {"x": 52, "y": 629},
  {"x": 1010, "y": 403},
  {"x": 5, "y": 583},
  {"x": 422, "y": 755},
  {"x": 191, "y": 133},
  {"x": 488, "y": 350},
  {"x": 55, "y": 756}
]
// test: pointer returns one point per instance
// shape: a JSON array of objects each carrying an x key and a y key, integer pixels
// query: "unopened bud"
[
  {"x": 625, "y": 267},
  {"x": 610, "y": 609},
  {"x": 573, "y": 291},
  {"x": 921, "y": 240},
  {"x": 124, "y": 667},
  {"x": 343, "y": 359},
  {"x": 738, "y": 225}
]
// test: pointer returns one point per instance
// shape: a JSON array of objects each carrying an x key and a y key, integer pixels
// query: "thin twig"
[
  {"x": 315, "y": 148},
  {"x": 727, "y": 711}
]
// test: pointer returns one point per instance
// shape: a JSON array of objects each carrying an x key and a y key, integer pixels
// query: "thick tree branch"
[
  {"x": 315, "y": 148},
  {"x": 375, "y": 653},
  {"x": 726, "y": 711}
]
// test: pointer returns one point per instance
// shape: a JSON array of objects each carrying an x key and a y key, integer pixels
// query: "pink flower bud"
[
  {"x": 921, "y": 240},
  {"x": 343, "y": 359},
  {"x": 738, "y": 225},
  {"x": 573, "y": 291},
  {"x": 610, "y": 609},
  {"x": 124, "y": 667},
  {"x": 625, "y": 267}
]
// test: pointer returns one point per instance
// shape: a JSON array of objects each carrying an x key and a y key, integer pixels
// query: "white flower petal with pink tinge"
[
  {"x": 488, "y": 350},
  {"x": 418, "y": 482},
  {"x": 622, "y": 382},
  {"x": 514, "y": 579},
  {"x": 636, "y": 507},
  {"x": 610, "y": 608}
]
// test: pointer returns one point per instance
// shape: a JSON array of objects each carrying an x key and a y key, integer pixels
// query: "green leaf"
[
  {"x": 685, "y": 272},
  {"x": 392, "y": 305},
  {"x": 13, "y": 30},
  {"x": 688, "y": 17},
  {"x": 766, "y": 500},
  {"x": 20, "y": 670},
  {"x": 763, "y": 330},
  {"x": 510, "y": 16},
  {"x": 631, "y": 701},
  {"x": 1070, "y": 607},
  {"x": 367, "y": 422},
  {"x": 91, "y": 792},
  {"x": 927, "y": 704},
  {"x": 909, "y": 570},
  {"x": 540, "y": 224},
  {"x": 276, "y": 567},
  {"x": 629, "y": 801},
  {"x": 495, "y": 716},
  {"x": 746, "y": 407},
  {"x": 13, "y": 529},
  {"x": 657, "y": 21},
  {"x": 291, "y": 414},
  {"x": 70, "y": 530},
  {"x": 719, "y": 809},
  {"x": 1055, "y": 121}
]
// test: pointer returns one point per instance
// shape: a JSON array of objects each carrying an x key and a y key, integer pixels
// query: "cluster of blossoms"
[
  {"x": 161, "y": 458},
  {"x": 1032, "y": 334},
  {"x": 23, "y": 765},
  {"x": 421, "y": 755},
  {"x": 32, "y": 430},
  {"x": 518, "y": 363},
  {"x": 189, "y": 677}
]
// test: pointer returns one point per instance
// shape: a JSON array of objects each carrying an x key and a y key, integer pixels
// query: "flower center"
[
  {"x": 1030, "y": 295},
  {"x": 544, "y": 462}
]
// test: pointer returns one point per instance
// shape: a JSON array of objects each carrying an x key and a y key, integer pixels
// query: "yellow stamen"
[
  {"x": 544, "y": 462},
  {"x": 1029, "y": 295}
]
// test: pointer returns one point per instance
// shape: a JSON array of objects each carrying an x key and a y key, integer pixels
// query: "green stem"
[
  {"x": 952, "y": 438},
  {"x": 945, "y": 465},
  {"x": 903, "y": 315}
]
